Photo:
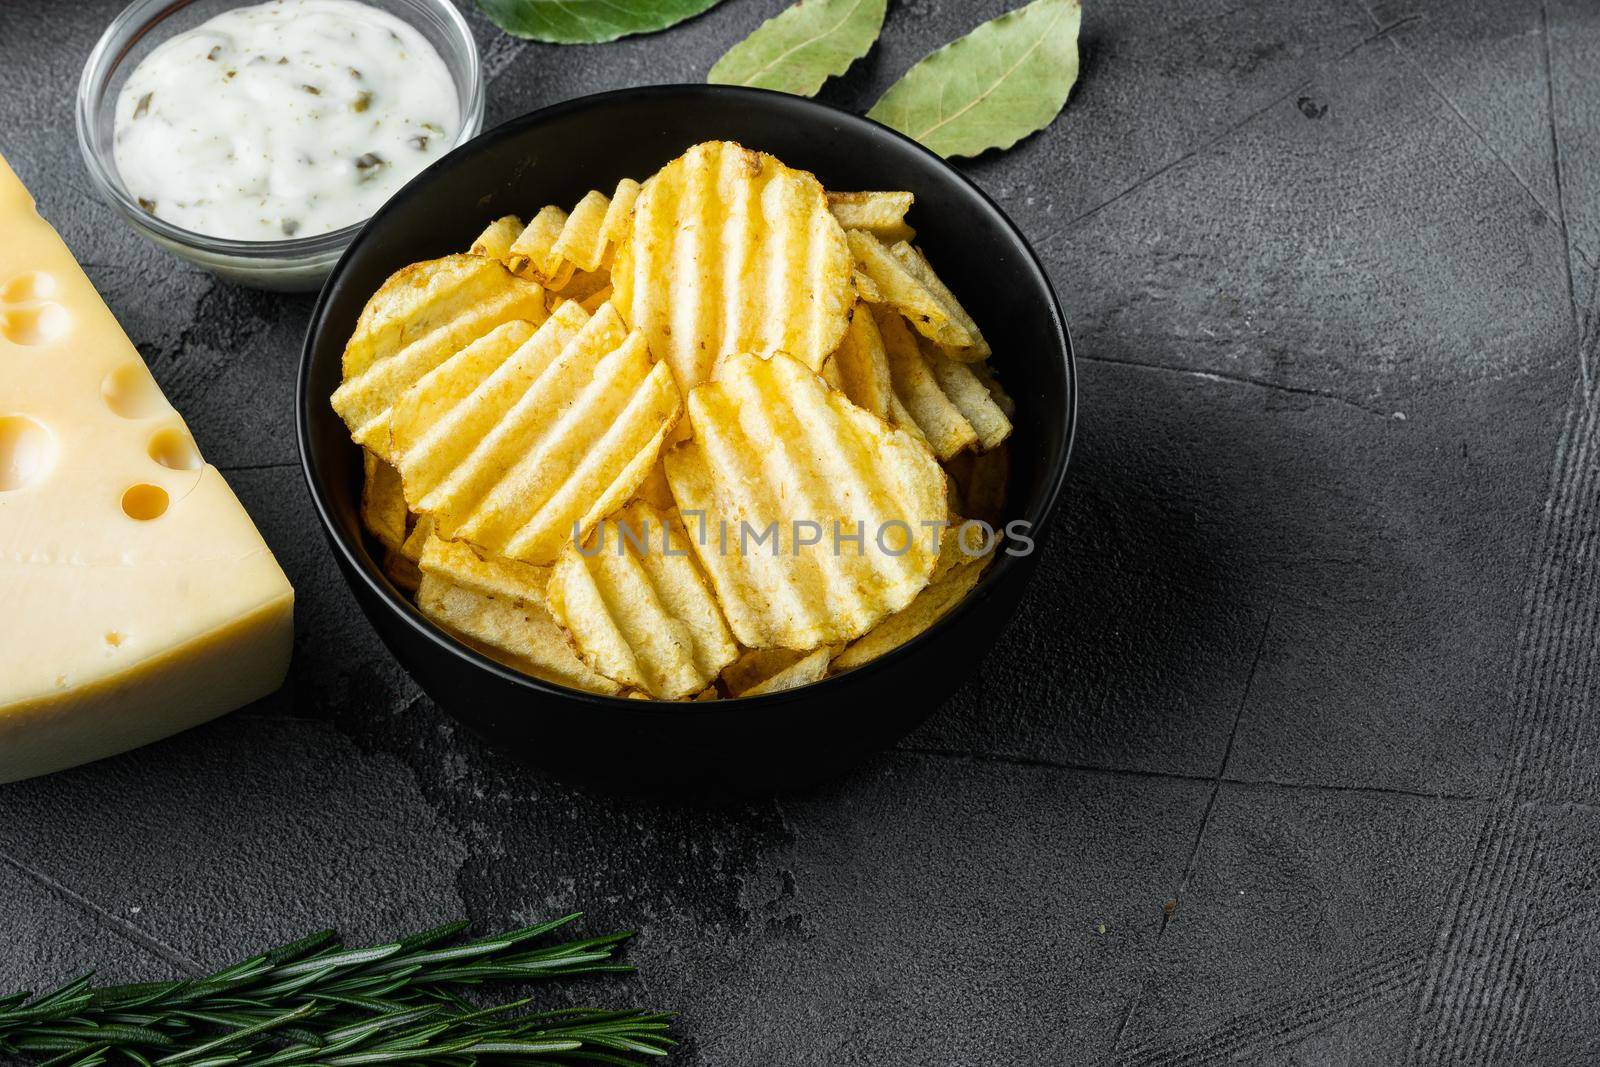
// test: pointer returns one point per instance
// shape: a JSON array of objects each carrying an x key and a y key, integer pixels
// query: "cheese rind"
[{"x": 139, "y": 598}]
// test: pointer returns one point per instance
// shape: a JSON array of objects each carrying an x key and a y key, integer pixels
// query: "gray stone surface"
[{"x": 1290, "y": 756}]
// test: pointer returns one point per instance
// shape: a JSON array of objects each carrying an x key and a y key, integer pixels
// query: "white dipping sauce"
[{"x": 284, "y": 119}]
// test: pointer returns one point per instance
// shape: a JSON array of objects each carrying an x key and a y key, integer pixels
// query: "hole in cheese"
[
  {"x": 26, "y": 451},
  {"x": 173, "y": 448},
  {"x": 38, "y": 324},
  {"x": 145, "y": 501},
  {"x": 129, "y": 391},
  {"x": 29, "y": 285}
]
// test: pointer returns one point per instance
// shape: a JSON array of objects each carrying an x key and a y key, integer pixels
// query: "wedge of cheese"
[{"x": 139, "y": 600}]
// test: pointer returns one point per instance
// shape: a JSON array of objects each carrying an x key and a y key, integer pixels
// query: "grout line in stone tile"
[
  {"x": 1364, "y": 790},
  {"x": 1179, "y": 776},
  {"x": 1378, "y": 35},
  {"x": 1222, "y": 772},
  {"x": 1057, "y": 765},
  {"x": 1170, "y": 909},
  {"x": 1439, "y": 92},
  {"x": 1474, "y": 130},
  {"x": 1205, "y": 146},
  {"x": 1561, "y": 198},
  {"x": 1238, "y": 379},
  {"x": 104, "y": 919}
]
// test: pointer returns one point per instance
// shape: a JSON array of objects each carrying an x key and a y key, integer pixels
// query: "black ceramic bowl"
[{"x": 555, "y": 156}]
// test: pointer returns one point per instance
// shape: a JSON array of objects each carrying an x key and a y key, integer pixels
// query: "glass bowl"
[{"x": 295, "y": 264}]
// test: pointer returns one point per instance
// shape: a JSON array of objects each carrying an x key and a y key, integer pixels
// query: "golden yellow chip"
[
  {"x": 949, "y": 402},
  {"x": 518, "y": 633},
  {"x": 813, "y": 518},
  {"x": 970, "y": 395},
  {"x": 730, "y": 251},
  {"x": 533, "y": 254},
  {"x": 865, "y": 287},
  {"x": 978, "y": 481},
  {"x": 421, "y": 532},
  {"x": 401, "y": 571},
  {"x": 496, "y": 239},
  {"x": 383, "y": 505},
  {"x": 768, "y": 670},
  {"x": 585, "y": 283},
  {"x": 582, "y": 241},
  {"x": 881, "y": 214},
  {"x": 859, "y": 367},
  {"x": 917, "y": 266},
  {"x": 557, "y": 244},
  {"x": 812, "y": 667},
  {"x": 619, "y": 215},
  {"x": 997, "y": 393},
  {"x": 756, "y": 665},
  {"x": 655, "y": 491},
  {"x": 901, "y": 278},
  {"x": 461, "y": 564},
  {"x": 945, "y": 429},
  {"x": 421, "y": 316},
  {"x": 639, "y": 608},
  {"x": 593, "y": 302},
  {"x": 929, "y": 607},
  {"x": 514, "y": 446}
]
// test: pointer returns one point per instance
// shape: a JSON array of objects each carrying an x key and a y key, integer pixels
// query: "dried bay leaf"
[
  {"x": 1006, "y": 79},
  {"x": 803, "y": 46},
  {"x": 588, "y": 21}
]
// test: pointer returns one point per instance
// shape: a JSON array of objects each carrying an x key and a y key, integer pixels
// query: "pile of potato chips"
[{"x": 719, "y": 434}]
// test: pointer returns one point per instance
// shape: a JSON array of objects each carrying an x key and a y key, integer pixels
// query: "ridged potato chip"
[
  {"x": 859, "y": 367},
  {"x": 519, "y": 633},
  {"x": 978, "y": 483},
  {"x": 900, "y": 277},
  {"x": 422, "y": 316},
  {"x": 619, "y": 216},
  {"x": 812, "y": 667},
  {"x": 730, "y": 251},
  {"x": 917, "y": 265},
  {"x": 401, "y": 571},
  {"x": 556, "y": 243},
  {"x": 461, "y": 564},
  {"x": 421, "y": 532},
  {"x": 768, "y": 670},
  {"x": 533, "y": 253},
  {"x": 520, "y": 439},
  {"x": 943, "y": 426},
  {"x": 400, "y": 565},
  {"x": 655, "y": 491},
  {"x": 497, "y": 238},
  {"x": 639, "y": 608},
  {"x": 756, "y": 665},
  {"x": 970, "y": 395},
  {"x": 582, "y": 285},
  {"x": 882, "y": 214},
  {"x": 950, "y": 404},
  {"x": 931, "y": 605},
  {"x": 383, "y": 503},
  {"x": 775, "y": 449}
]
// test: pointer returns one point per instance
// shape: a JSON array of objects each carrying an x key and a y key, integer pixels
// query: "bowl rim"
[
  {"x": 408, "y": 612},
  {"x": 146, "y": 16}
]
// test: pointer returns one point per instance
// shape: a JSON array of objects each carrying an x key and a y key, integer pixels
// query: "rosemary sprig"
[{"x": 314, "y": 1003}]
